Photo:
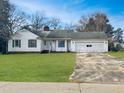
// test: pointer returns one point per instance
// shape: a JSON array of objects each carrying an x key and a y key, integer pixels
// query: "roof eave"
[{"x": 56, "y": 38}]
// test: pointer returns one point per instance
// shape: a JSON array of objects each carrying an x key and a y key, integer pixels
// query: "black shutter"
[
  {"x": 13, "y": 42},
  {"x": 19, "y": 43}
]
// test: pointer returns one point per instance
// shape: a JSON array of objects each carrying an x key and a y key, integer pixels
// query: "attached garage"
[
  {"x": 94, "y": 46},
  {"x": 89, "y": 42}
]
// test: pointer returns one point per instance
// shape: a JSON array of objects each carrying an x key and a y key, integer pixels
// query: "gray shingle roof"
[
  {"x": 88, "y": 35},
  {"x": 58, "y": 34},
  {"x": 71, "y": 35}
]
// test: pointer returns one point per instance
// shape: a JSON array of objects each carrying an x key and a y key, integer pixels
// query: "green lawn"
[
  {"x": 117, "y": 54},
  {"x": 56, "y": 67}
]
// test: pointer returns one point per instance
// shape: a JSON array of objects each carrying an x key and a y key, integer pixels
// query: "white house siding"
[
  {"x": 74, "y": 45},
  {"x": 24, "y": 36},
  {"x": 97, "y": 45}
]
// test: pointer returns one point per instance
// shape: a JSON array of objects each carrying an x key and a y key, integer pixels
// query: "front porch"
[{"x": 56, "y": 45}]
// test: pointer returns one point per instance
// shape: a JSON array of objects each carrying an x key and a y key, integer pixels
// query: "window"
[
  {"x": 16, "y": 43},
  {"x": 32, "y": 43},
  {"x": 89, "y": 45},
  {"x": 61, "y": 43}
]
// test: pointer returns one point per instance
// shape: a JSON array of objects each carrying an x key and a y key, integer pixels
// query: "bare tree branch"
[
  {"x": 70, "y": 27},
  {"x": 38, "y": 21},
  {"x": 17, "y": 19},
  {"x": 54, "y": 23}
]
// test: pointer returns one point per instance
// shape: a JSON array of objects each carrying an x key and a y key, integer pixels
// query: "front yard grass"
[
  {"x": 54, "y": 67},
  {"x": 119, "y": 54}
]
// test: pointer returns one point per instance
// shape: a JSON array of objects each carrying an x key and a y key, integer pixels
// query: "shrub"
[{"x": 118, "y": 47}]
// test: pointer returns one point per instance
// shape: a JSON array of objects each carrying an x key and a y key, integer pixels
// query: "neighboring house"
[{"x": 58, "y": 41}]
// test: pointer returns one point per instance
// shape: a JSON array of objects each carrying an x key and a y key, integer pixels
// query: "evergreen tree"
[
  {"x": 4, "y": 25},
  {"x": 118, "y": 35}
]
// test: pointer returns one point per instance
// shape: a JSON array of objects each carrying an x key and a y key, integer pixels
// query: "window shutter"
[
  {"x": 13, "y": 43},
  {"x": 19, "y": 43}
]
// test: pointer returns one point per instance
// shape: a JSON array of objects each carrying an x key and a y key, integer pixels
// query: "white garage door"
[{"x": 89, "y": 46}]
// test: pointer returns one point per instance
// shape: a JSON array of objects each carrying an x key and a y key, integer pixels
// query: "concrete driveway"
[
  {"x": 18, "y": 87},
  {"x": 98, "y": 68}
]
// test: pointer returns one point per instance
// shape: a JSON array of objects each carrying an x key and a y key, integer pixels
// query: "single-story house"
[{"x": 58, "y": 41}]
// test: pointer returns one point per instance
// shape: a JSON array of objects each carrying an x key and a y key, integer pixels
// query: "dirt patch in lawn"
[{"x": 97, "y": 68}]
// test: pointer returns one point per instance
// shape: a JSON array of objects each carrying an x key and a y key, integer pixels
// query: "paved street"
[{"x": 17, "y": 87}]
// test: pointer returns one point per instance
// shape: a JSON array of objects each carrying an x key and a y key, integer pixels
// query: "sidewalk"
[{"x": 17, "y": 87}]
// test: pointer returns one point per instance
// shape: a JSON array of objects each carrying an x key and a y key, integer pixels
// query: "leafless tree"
[
  {"x": 54, "y": 23},
  {"x": 70, "y": 26},
  {"x": 38, "y": 21},
  {"x": 17, "y": 19},
  {"x": 101, "y": 21},
  {"x": 97, "y": 22},
  {"x": 103, "y": 25},
  {"x": 90, "y": 26},
  {"x": 84, "y": 20},
  {"x": 82, "y": 23}
]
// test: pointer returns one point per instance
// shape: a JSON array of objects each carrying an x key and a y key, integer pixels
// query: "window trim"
[
  {"x": 14, "y": 43},
  {"x": 61, "y": 42},
  {"x": 32, "y": 46}
]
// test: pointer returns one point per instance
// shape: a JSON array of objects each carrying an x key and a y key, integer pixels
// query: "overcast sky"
[{"x": 71, "y": 10}]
